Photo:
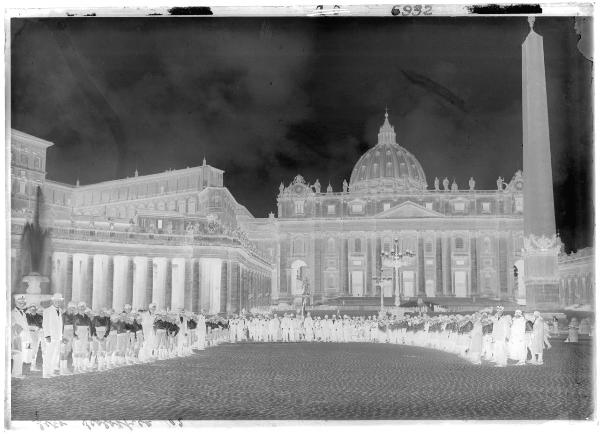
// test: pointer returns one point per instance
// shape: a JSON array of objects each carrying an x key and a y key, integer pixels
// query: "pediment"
[{"x": 407, "y": 210}]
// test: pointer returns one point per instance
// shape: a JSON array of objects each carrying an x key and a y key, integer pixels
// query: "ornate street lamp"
[
  {"x": 378, "y": 281},
  {"x": 397, "y": 259}
]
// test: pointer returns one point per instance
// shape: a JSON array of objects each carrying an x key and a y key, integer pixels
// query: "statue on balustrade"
[
  {"x": 499, "y": 183},
  {"x": 281, "y": 188},
  {"x": 317, "y": 186},
  {"x": 446, "y": 183},
  {"x": 436, "y": 184},
  {"x": 345, "y": 186},
  {"x": 454, "y": 185},
  {"x": 471, "y": 184},
  {"x": 329, "y": 188}
]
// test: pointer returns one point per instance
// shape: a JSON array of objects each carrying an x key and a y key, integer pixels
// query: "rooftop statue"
[
  {"x": 454, "y": 185},
  {"x": 436, "y": 184},
  {"x": 317, "y": 186},
  {"x": 446, "y": 183},
  {"x": 471, "y": 184}
]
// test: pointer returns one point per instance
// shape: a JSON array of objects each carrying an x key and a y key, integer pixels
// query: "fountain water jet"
[{"x": 33, "y": 243}]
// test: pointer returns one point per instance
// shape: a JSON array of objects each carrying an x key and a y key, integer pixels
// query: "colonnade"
[{"x": 104, "y": 281}]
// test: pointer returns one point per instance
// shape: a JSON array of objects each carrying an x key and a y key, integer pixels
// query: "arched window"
[
  {"x": 388, "y": 169},
  {"x": 459, "y": 243}
]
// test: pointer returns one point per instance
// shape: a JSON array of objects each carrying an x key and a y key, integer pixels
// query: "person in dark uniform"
[
  {"x": 66, "y": 346},
  {"x": 192, "y": 324},
  {"x": 100, "y": 333},
  {"x": 34, "y": 320},
  {"x": 81, "y": 342}
]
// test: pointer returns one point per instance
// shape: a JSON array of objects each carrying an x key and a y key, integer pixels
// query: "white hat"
[
  {"x": 20, "y": 297},
  {"x": 57, "y": 297},
  {"x": 81, "y": 304}
]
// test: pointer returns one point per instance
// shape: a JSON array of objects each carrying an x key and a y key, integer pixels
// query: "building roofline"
[
  {"x": 145, "y": 178},
  {"x": 28, "y": 137}
]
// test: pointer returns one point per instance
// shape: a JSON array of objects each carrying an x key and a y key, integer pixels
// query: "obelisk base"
[{"x": 540, "y": 257}]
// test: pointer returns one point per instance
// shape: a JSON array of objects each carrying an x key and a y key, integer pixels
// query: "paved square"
[{"x": 318, "y": 381}]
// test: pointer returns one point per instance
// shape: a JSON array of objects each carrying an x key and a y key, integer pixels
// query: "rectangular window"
[
  {"x": 459, "y": 206},
  {"x": 299, "y": 207},
  {"x": 386, "y": 206},
  {"x": 24, "y": 160},
  {"x": 330, "y": 209},
  {"x": 428, "y": 247},
  {"x": 357, "y": 208},
  {"x": 429, "y": 205},
  {"x": 21, "y": 187},
  {"x": 36, "y": 162},
  {"x": 159, "y": 224},
  {"x": 485, "y": 207},
  {"x": 519, "y": 204}
]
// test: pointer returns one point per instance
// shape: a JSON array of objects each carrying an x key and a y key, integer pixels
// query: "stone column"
[
  {"x": 540, "y": 241},
  {"x": 58, "y": 279},
  {"x": 82, "y": 279},
  {"x": 159, "y": 282},
  {"x": 140, "y": 283},
  {"x": 122, "y": 293},
  {"x": 177, "y": 283},
  {"x": 210, "y": 284},
  {"x": 102, "y": 280}
]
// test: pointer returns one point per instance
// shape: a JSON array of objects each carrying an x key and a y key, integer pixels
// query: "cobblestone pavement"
[{"x": 318, "y": 381}]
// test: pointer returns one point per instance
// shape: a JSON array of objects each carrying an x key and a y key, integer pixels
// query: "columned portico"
[
  {"x": 141, "y": 282},
  {"x": 82, "y": 278},
  {"x": 122, "y": 290},
  {"x": 210, "y": 284},
  {"x": 159, "y": 282},
  {"x": 177, "y": 283},
  {"x": 60, "y": 273},
  {"x": 102, "y": 279}
]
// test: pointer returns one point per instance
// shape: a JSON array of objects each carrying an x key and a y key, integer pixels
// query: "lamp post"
[
  {"x": 396, "y": 259},
  {"x": 378, "y": 281}
]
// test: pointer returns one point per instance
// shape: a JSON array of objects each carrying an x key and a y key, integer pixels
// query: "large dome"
[{"x": 387, "y": 166}]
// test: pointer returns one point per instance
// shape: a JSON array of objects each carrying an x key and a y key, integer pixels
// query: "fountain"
[{"x": 32, "y": 244}]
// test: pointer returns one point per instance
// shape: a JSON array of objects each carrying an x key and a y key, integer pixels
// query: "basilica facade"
[{"x": 464, "y": 242}]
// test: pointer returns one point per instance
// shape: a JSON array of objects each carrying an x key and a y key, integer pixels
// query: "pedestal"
[
  {"x": 33, "y": 292},
  {"x": 540, "y": 255}
]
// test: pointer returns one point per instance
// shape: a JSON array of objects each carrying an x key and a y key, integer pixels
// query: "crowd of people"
[
  {"x": 487, "y": 335},
  {"x": 78, "y": 340}
]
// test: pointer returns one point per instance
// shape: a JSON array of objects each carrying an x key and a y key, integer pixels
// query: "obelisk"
[{"x": 541, "y": 245}]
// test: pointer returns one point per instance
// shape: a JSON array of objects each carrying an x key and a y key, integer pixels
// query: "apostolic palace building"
[{"x": 179, "y": 238}]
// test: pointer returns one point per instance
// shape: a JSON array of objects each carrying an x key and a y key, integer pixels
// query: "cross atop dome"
[{"x": 387, "y": 134}]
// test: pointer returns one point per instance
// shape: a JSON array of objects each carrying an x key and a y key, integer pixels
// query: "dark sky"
[{"x": 265, "y": 99}]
